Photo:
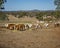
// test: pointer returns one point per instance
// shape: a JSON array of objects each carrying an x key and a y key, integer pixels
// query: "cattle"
[
  {"x": 42, "y": 22},
  {"x": 28, "y": 26},
  {"x": 10, "y": 26},
  {"x": 6, "y": 25},
  {"x": 20, "y": 27},
  {"x": 56, "y": 24},
  {"x": 46, "y": 25},
  {"x": 35, "y": 26},
  {"x": 32, "y": 26}
]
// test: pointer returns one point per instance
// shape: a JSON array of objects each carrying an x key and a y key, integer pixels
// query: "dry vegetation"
[{"x": 40, "y": 38}]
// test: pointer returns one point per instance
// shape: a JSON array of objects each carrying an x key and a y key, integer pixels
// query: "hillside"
[{"x": 22, "y": 19}]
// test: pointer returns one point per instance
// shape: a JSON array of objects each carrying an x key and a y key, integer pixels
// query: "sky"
[{"x": 16, "y": 5}]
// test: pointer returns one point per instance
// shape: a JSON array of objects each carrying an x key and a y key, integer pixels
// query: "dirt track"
[{"x": 41, "y": 38}]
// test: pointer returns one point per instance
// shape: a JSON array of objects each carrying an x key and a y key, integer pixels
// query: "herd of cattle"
[
  {"x": 21, "y": 27},
  {"x": 27, "y": 26}
]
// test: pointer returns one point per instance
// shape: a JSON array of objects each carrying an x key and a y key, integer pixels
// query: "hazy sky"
[{"x": 14, "y": 5}]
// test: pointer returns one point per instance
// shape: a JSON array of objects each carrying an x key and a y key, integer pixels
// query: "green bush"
[{"x": 3, "y": 17}]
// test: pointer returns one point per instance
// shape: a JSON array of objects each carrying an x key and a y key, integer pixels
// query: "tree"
[
  {"x": 57, "y": 3},
  {"x": 2, "y": 14},
  {"x": 39, "y": 16},
  {"x": 57, "y": 14},
  {"x": 2, "y": 4}
]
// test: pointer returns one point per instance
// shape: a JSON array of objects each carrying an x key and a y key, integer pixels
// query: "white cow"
[
  {"x": 36, "y": 26},
  {"x": 28, "y": 25},
  {"x": 6, "y": 25},
  {"x": 46, "y": 25}
]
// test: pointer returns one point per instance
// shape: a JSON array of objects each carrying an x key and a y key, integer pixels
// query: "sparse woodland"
[{"x": 38, "y": 14}]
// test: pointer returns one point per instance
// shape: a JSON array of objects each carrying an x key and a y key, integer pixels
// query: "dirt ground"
[{"x": 40, "y": 38}]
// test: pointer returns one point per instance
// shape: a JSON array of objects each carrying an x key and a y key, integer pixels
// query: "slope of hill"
[
  {"x": 12, "y": 18},
  {"x": 22, "y": 19}
]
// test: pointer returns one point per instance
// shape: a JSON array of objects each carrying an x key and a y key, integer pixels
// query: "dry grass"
[
  {"x": 22, "y": 19},
  {"x": 40, "y": 38},
  {"x": 25, "y": 19}
]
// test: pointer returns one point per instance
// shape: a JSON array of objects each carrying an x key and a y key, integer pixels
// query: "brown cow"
[
  {"x": 20, "y": 27},
  {"x": 57, "y": 25},
  {"x": 11, "y": 26}
]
